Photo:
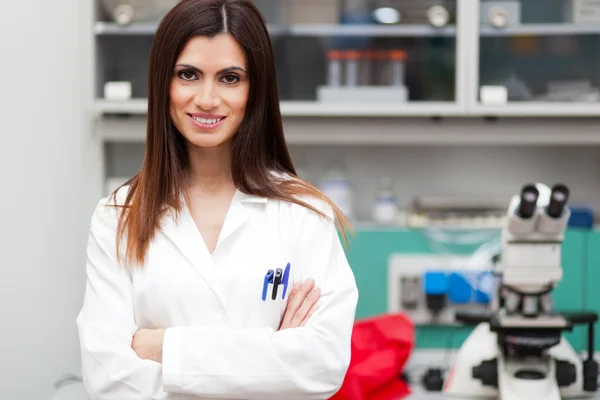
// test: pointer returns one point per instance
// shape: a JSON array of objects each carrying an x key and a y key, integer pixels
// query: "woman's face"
[{"x": 209, "y": 90}]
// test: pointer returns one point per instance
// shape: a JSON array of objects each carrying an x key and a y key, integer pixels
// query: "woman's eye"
[
  {"x": 187, "y": 75},
  {"x": 230, "y": 79}
]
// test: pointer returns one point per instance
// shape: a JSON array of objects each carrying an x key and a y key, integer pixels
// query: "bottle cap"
[
  {"x": 352, "y": 55},
  {"x": 397, "y": 55},
  {"x": 368, "y": 54},
  {"x": 334, "y": 55},
  {"x": 380, "y": 55}
]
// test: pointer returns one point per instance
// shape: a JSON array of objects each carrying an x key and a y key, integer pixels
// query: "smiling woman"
[{"x": 215, "y": 272}]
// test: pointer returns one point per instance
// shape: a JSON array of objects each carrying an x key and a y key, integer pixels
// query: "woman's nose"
[{"x": 207, "y": 97}]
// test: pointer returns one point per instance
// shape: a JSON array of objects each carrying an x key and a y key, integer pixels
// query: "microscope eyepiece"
[
  {"x": 558, "y": 200},
  {"x": 527, "y": 205}
]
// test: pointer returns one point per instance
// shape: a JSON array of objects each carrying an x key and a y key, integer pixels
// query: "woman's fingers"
[
  {"x": 302, "y": 313},
  {"x": 310, "y": 314},
  {"x": 297, "y": 296}
]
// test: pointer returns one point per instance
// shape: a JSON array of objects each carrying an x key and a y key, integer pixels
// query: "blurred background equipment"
[
  {"x": 126, "y": 12},
  {"x": 518, "y": 350}
]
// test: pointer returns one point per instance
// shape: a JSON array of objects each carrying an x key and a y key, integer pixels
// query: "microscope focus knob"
[
  {"x": 590, "y": 375},
  {"x": 566, "y": 373},
  {"x": 487, "y": 372}
]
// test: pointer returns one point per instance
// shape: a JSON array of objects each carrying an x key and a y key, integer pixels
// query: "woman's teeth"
[{"x": 207, "y": 121}]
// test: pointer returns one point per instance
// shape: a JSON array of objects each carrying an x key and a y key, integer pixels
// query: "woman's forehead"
[{"x": 221, "y": 51}]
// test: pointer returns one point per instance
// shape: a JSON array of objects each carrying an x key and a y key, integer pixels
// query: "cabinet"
[
  {"x": 399, "y": 57},
  {"x": 540, "y": 59},
  {"x": 460, "y": 68}
]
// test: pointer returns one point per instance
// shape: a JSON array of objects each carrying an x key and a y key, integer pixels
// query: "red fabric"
[{"x": 380, "y": 348}]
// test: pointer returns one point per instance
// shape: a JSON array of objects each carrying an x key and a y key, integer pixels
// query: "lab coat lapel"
[
  {"x": 237, "y": 215},
  {"x": 184, "y": 234}
]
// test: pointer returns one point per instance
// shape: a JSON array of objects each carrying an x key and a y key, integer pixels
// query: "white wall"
[{"x": 44, "y": 219}]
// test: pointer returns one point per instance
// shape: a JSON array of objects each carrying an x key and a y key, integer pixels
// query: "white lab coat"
[{"x": 221, "y": 339}]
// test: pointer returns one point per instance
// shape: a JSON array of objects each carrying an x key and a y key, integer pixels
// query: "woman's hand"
[
  {"x": 148, "y": 344},
  {"x": 301, "y": 305}
]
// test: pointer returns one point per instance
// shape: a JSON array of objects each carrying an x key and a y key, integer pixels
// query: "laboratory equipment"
[
  {"x": 438, "y": 16},
  {"x": 384, "y": 210},
  {"x": 582, "y": 11},
  {"x": 334, "y": 64},
  {"x": 397, "y": 60},
  {"x": 335, "y": 184},
  {"x": 500, "y": 14},
  {"x": 517, "y": 350},
  {"x": 435, "y": 12},
  {"x": 125, "y": 12},
  {"x": 352, "y": 59}
]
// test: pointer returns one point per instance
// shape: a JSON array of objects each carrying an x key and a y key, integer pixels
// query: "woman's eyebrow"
[{"x": 224, "y": 70}]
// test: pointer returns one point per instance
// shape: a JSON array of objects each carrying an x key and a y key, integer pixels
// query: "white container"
[
  {"x": 582, "y": 11},
  {"x": 384, "y": 209},
  {"x": 125, "y": 12}
]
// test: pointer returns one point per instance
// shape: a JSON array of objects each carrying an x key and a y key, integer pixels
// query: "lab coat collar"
[
  {"x": 184, "y": 234},
  {"x": 249, "y": 198}
]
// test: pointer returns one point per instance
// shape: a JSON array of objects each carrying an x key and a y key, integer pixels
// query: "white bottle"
[
  {"x": 384, "y": 209},
  {"x": 336, "y": 186}
]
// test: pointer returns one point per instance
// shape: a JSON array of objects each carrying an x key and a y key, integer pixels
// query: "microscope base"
[
  {"x": 527, "y": 379},
  {"x": 480, "y": 355}
]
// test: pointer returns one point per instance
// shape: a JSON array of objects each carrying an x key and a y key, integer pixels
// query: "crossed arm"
[{"x": 301, "y": 305}]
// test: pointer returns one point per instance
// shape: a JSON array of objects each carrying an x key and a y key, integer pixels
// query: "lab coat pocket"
[{"x": 268, "y": 284}]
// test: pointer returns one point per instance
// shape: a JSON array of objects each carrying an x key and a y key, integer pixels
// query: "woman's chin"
[{"x": 208, "y": 141}]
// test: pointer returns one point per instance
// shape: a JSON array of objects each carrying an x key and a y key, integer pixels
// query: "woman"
[{"x": 230, "y": 280}]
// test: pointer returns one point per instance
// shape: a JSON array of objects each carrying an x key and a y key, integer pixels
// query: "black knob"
[
  {"x": 566, "y": 374},
  {"x": 432, "y": 380},
  {"x": 487, "y": 373},
  {"x": 590, "y": 375}
]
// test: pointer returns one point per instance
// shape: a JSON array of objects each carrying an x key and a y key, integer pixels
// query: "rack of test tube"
[{"x": 365, "y": 76}]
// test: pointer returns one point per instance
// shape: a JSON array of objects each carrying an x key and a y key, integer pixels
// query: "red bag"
[{"x": 380, "y": 348}]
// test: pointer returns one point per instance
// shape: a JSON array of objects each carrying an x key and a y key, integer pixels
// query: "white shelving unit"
[{"x": 461, "y": 122}]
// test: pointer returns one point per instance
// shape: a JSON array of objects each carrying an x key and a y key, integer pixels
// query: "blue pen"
[
  {"x": 268, "y": 279},
  {"x": 285, "y": 280}
]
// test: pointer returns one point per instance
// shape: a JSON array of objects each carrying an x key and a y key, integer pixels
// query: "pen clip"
[
  {"x": 276, "y": 282},
  {"x": 285, "y": 280}
]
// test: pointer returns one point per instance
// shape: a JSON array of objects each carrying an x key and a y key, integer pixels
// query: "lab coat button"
[{"x": 219, "y": 307}]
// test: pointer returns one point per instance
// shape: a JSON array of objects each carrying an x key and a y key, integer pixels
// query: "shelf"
[
  {"x": 370, "y": 30},
  {"x": 134, "y": 106},
  {"x": 313, "y": 109},
  {"x": 139, "y": 28},
  {"x": 541, "y": 30},
  {"x": 533, "y": 109},
  {"x": 411, "y": 109},
  {"x": 149, "y": 28},
  {"x": 373, "y": 131}
]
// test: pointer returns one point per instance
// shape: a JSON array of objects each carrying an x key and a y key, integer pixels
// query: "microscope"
[{"x": 517, "y": 350}]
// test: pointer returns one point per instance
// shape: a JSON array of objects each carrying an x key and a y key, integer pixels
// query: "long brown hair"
[{"x": 258, "y": 148}]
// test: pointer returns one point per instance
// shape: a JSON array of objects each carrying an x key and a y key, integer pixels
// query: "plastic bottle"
[
  {"x": 334, "y": 60},
  {"x": 378, "y": 70},
  {"x": 336, "y": 186},
  {"x": 397, "y": 60},
  {"x": 352, "y": 58},
  {"x": 366, "y": 67},
  {"x": 384, "y": 210}
]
